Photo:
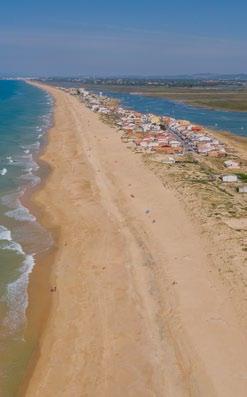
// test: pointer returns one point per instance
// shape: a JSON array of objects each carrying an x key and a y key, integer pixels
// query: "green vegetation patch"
[{"x": 242, "y": 176}]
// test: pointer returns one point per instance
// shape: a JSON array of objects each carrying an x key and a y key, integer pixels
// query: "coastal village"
[{"x": 169, "y": 139}]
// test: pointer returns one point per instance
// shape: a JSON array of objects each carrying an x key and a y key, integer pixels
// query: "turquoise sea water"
[
  {"x": 25, "y": 115},
  {"x": 234, "y": 122}
]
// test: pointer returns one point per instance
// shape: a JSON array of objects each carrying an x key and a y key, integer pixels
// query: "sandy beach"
[{"x": 139, "y": 307}]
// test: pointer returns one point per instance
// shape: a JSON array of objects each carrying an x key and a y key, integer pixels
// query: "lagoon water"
[
  {"x": 234, "y": 122},
  {"x": 25, "y": 115}
]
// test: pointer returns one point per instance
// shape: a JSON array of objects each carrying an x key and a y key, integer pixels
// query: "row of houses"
[
  {"x": 142, "y": 132},
  {"x": 197, "y": 139},
  {"x": 150, "y": 133}
]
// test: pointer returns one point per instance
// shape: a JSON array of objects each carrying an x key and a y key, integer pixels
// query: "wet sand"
[{"x": 139, "y": 309}]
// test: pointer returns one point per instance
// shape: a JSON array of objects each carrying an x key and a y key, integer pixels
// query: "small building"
[
  {"x": 155, "y": 119},
  {"x": 174, "y": 143},
  {"x": 231, "y": 164},
  {"x": 216, "y": 153},
  {"x": 203, "y": 138},
  {"x": 196, "y": 128},
  {"x": 229, "y": 178},
  {"x": 95, "y": 108},
  {"x": 242, "y": 189},
  {"x": 169, "y": 150},
  {"x": 204, "y": 148}
]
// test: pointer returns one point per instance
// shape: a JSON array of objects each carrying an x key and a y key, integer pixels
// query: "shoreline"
[
  {"x": 41, "y": 278},
  {"x": 122, "y": 294},
  {"x": 26, "y": 175}
]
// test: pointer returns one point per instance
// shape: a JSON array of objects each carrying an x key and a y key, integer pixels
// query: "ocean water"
[
  {"x": 234, "y": 122},
  {"x": 25, "y": 116}
]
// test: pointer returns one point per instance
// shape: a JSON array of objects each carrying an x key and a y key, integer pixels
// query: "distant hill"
[
  {"x": 196, "y": 76},
  {"x": 212, "y": 76}
]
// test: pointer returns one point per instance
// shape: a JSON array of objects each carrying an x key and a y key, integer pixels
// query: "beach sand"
[{"x": 140, "y": 309}]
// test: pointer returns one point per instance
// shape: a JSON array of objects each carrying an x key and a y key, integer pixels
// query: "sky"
[{"x": 128, "y": 37}]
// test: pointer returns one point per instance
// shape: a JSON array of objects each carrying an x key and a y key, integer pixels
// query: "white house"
[
  {"x": 231, "y": 164},
  {"x": 229, "y": 178},
  {"x": 242, "y": 189}
]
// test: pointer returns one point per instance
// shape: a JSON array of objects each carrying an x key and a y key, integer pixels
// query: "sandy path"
[{"x": 139, "y": 309}]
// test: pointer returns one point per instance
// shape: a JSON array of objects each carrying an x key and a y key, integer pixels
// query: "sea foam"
[
  {"x": 12, "y": 246},
  {"x": 17, "y": 296},
  {"x": 3, "y": 171},
  {"x": 10, "y": 160},
  {"x": 33, "y": 180},
  {"x": 5, "y": 234},
  {"x": 26, "y": 161},
  {"x": 21, "y": 214},
  {"x": 12, "y": 200}
]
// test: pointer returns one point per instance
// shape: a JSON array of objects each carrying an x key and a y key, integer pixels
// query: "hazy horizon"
[
  {"x": 195, "y": 76},
  {"x": 115, "y": 39}
]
